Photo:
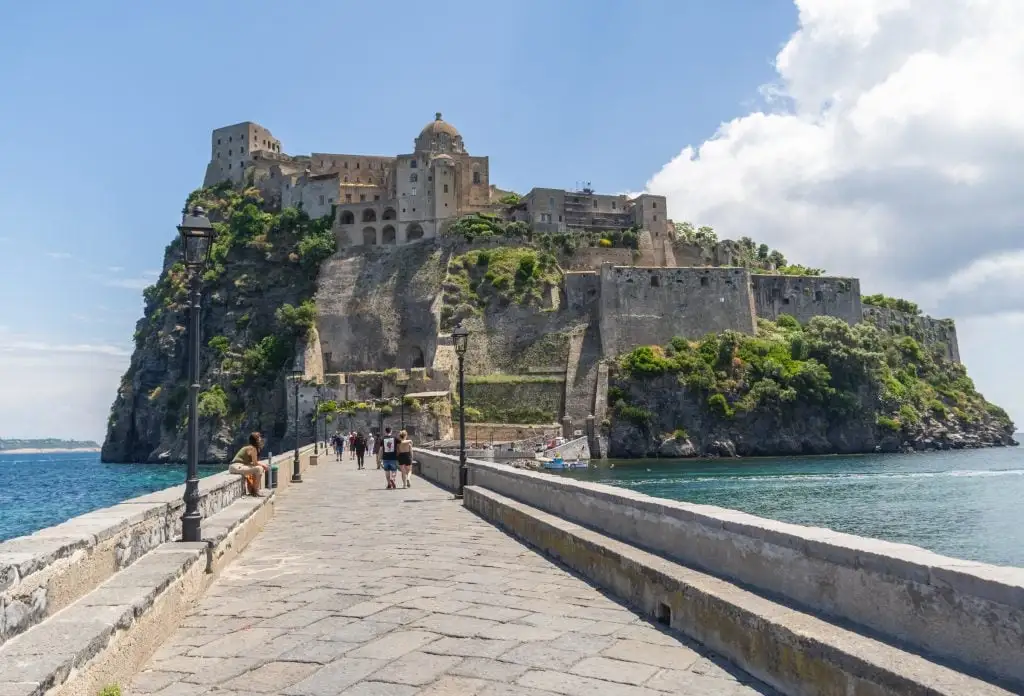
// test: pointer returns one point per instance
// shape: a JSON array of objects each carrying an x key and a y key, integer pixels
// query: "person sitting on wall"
[{"x": 247, "y": 464}]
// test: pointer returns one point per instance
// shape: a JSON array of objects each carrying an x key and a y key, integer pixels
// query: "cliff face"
[
  {"x": 263, "y": 268},
  {"x": 821, "y": 389}
]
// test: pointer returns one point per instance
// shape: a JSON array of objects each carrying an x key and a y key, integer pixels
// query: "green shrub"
[
  {"x": 112, "y": 690},
  {"x": 213, "y": 403},
  {"x": 887, "y": 423},
  {"x": 219, "y": 344},
  {"x": 880, "y": 300},
  {"x": 297, "y": 320},
  {"x": 718, "y": 405},
  {"x": 680, "y": 434},
  {"x": 787, "y": 321}
]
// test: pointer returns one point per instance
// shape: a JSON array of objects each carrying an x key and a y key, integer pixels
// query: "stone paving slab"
[{"x": 355, "y": 590}]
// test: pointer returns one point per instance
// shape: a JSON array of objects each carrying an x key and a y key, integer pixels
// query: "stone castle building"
[{"x": 393, "y": 200}]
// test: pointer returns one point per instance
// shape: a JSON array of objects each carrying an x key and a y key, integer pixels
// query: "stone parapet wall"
[
  {"x": 806, "y": 297},
  {"x": 966, "y": 612},
  {"x": 518, "y": 398},
  {"x": 43, "y": 572}
]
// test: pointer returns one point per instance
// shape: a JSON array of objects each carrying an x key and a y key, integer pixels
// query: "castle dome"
[
  {"x": 440, "y": 137},
  {"x": 438, "y": 126}
]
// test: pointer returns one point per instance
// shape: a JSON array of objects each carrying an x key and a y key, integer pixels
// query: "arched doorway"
[
  {"x": 369, "y": 215},
  {"x": 413, "y": 232},
  {"x": 369, "y": 236},
  {"x": 417, "y": 357},
  {"x": 388, "y": 235},
  {"x": 348, "y": 217}
]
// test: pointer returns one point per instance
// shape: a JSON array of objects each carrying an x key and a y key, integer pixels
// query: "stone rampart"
[
  {"x": 929, "y": 332},
  {"x": 649, "y": 306},
  {"x": 592, "y": 258},
  {"x": 806, "y": 297},
  {"x": 582, "y": 290},
  {"x": 517, "y": 398},
  {"x": 966, "y": 612}
]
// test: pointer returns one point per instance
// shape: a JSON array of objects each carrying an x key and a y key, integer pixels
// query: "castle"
[
  {"x": 610, "y": 300},
  {"x": 395, "y": 200}
]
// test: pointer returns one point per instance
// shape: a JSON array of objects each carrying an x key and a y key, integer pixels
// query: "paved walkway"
[{"x": 356, "y": 590}]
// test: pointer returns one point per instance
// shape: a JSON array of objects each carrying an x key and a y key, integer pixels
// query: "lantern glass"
[
  {"x": 196, "y": 237},
  {"x": 197, "y": 249},
  {"x": 460, "y": 339}
]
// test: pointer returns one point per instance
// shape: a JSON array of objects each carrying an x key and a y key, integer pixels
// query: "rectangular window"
[
  {"x": 357, "y": 165},
  {"x": 321, "y": 200},
  {"x": 654, "y": 205},
  {"x": 551, "y": 202},
  {"x": 229, "y": 165},
  {"x": 559, "y": 218},
  {"x": 218, "y": 141},
  {"x": 595, "y": 202},
  {"x": 412, "y": 164},
  {"x": 344, "y": 165},
  {"x": 613, "y": 205},
  {"x": 476, "y": 177},
  {"x": 362, "y": 196},
  {"x": 348, "y": 197},
  {"x": 241, "y": 151},
  {"x": 655, "y": 218},
  {"x": 376, "y": 198},
  {"x": 446, "y": 188}
]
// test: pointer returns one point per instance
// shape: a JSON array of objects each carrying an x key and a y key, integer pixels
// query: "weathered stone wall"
[
  {"x": 377, "y": 308},
  {"x": 518, "y": 398},
  {"x": 806, "y": 297},
  {"x": 582, "y": 290},
  {"x": 649, "y": 306},
  {"x": 519, "y": 339},
  {"x": 926, "y": 330},
  {"x": 972, "y": 613},
  {"x": 592, "y": 258}
]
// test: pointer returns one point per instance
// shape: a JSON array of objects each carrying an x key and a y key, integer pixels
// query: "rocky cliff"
[
  {"x": 256, "y": 308},
  {"x": 824, "y": 388}
]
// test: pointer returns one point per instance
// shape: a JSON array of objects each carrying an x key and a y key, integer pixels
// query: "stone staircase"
[{"x": 581, "y": 374}]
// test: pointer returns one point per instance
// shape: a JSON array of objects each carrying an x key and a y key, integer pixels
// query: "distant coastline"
[{"x": 48, "y": 450}]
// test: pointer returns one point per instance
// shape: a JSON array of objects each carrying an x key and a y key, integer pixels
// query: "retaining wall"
[{"x": 969, "y": 613}]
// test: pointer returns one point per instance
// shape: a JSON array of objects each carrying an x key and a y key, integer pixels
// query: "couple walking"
[{"x": 396, "y": 454}]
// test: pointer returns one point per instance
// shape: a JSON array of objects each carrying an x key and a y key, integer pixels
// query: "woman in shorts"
[{"x": 405, "y": 458}]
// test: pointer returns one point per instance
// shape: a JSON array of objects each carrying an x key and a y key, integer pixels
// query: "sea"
[
  {"x": 41, "y": 490},
  {"x": 966, "y": 504}
]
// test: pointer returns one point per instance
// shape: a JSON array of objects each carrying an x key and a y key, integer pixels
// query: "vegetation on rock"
[
  {"x": 481, "y": 277},
  {"x": 880, "y": 300},
  {"x": 839, "y": 373},
  {"x": 257, "y": 304}
]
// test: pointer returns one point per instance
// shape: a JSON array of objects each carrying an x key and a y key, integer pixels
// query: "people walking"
[
  {"x": 405, "y": 458},
  {"x": 352, "y": 444},
  {"x": 389, "y": 456},
  {"x": 360, "y": 449}
]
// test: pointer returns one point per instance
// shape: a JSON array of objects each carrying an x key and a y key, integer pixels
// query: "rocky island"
[{"x": 590, "y": 315}]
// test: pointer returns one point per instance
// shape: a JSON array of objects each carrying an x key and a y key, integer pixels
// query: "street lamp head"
[
  {"x": 196, "y": 237},
  {"x": 460, "y": 339}
]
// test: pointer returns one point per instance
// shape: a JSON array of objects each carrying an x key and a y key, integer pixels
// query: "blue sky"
[{"x": 108, "y": 108}]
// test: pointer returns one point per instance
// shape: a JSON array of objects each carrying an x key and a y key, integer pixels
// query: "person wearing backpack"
[{"x": 389, "y": 456}]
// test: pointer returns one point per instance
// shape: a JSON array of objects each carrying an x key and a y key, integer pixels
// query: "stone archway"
[
  {"x": 389, "y": 214},
  {"x": 416, "y": 355},
  {"x": 348, "y": 217},
  {"x": 388, "y": 235},
  {"x": 413, "y": 232},
  {"x": 369, "y": 215},
  {"x": 369, "y": 236}
]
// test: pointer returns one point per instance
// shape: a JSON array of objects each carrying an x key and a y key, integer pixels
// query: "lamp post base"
[{"x": 191, "y": 527}]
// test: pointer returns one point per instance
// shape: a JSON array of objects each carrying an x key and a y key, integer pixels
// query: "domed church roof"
[
  {"x": 438, "y": 137},
  {"x": 438, "y": 126}
]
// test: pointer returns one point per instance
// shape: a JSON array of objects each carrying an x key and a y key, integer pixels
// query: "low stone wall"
[
  {"x": 43, "y": 572},
  {"x": 967, "y": 612}
]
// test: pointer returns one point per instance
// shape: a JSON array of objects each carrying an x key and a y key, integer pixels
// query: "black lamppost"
[
  {"x": 316, "y": 424},
  {"x": 197, "y": 240},
  {"x": 460, "y": 339},
  {"x": 404, "y": 384},
  {"x": 297, "y": 374}
]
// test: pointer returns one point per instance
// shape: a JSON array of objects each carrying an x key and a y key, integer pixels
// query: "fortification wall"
[
  {"x": 928, "y": 331},
  {"x": 805, "y": 297},
  {"x": 517, "y": 398},
  {"x": 520, "y": 339},
  {"x": 649, "y": 306},
  {"x": 582, "y": 290},
  {"x": 592, "y": 258}
]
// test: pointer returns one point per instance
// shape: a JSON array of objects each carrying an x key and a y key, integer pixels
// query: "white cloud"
[
  {"x": 58, "y": 255},
  {"x": 139, "y": 282},
  {"x": 889, "y": 148},
  {"x": 115, "y": 269}
]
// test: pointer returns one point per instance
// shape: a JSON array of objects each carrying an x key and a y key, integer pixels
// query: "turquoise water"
[
  {"x": 966, "y": 504},
  {"x": 41, "y": 490}
]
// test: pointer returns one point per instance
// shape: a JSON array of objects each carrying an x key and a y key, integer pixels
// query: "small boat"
[{"x": 558, "y": 463}]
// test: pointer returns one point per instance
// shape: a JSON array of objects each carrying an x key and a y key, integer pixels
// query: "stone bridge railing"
[{"x": 965, "y": 613}]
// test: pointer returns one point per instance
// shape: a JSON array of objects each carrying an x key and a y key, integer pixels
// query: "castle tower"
[
  {"x": 439, "y": 138},
  {"x": 232, "y": 148}
]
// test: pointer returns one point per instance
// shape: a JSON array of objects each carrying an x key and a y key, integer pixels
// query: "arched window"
[
  {"x": 388, "y": 235},
  {"x": 417, "y": 357},
  {"x": 414, "y": 177},
  {"x": 347, "y": 217},
  {"x": 389, "y": 214},
  {"x": 369, "y": 215},
  {"x": 413, "y": 232},
  {"x": 369, "y": 236}
]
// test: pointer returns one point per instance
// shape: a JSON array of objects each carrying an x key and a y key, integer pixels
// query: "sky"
[{"x": 874, "y": 138}]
